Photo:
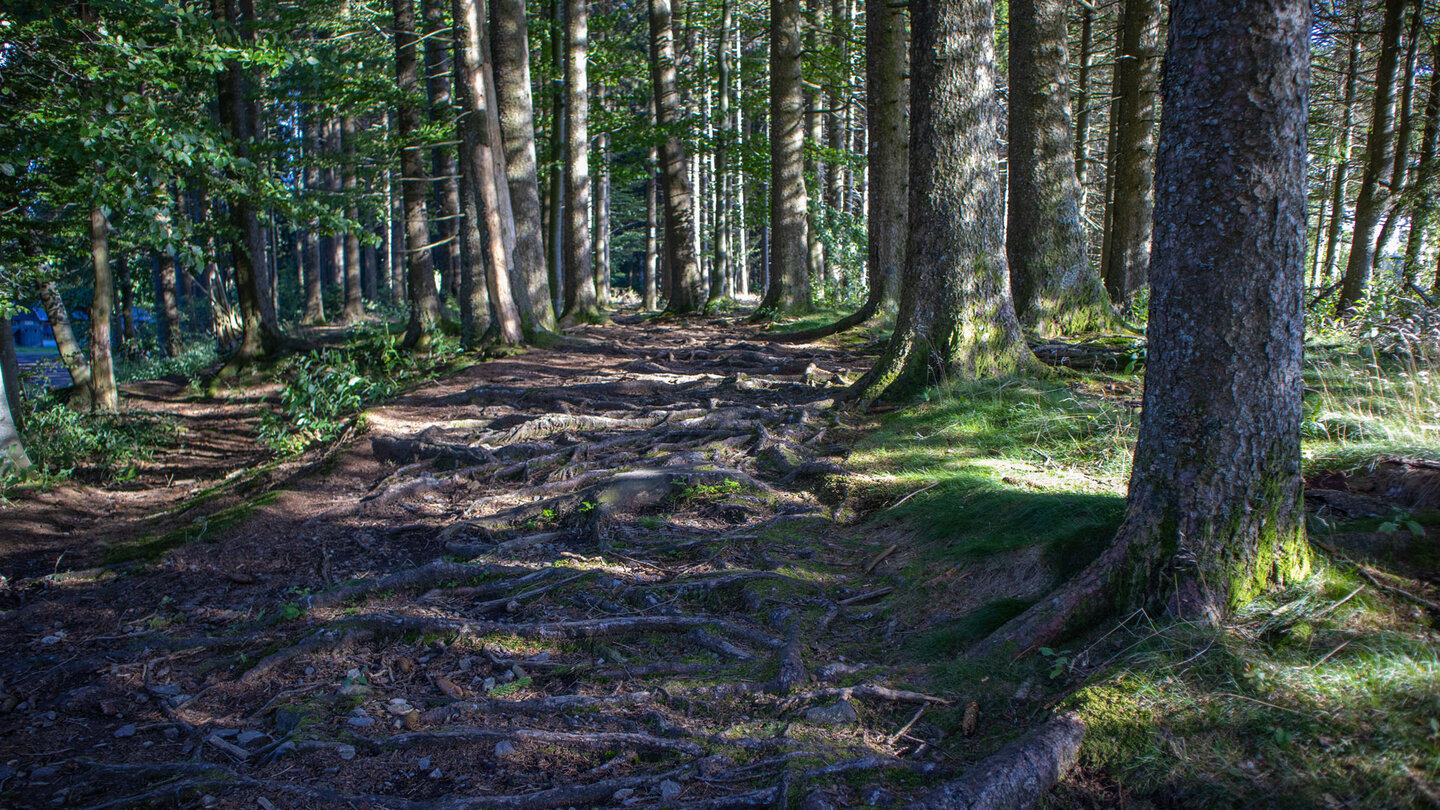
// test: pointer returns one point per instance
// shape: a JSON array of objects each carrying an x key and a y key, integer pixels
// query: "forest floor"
[{"x": 648, "y": 565}]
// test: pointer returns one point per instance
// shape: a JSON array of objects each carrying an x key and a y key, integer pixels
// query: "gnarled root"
[{"x": 1018, "y": 776}]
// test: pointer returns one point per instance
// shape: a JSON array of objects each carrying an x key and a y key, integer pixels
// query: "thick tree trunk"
[
  {"x": 1375, "y": 188},
  {"x": 102, "y": 306},
  {"x": 1341, "y": 179},
  {"x": 168, "y": 300},
  {"x": 721, "y": 184},
  {"x": 1423, "y": 211},
  {"x": 354, "y": 304},
  {"x": 1214, "y": 514},
  {"x": 555, "y": 193},
  {"x": 515, "y": 111},
  {"x": 580, "y": 299},
  {"x": 1055, "y": 291},
  {"x": 260, "y": 334},
  {"x": 12, "y": 450},
  {"x": 1126, "y": 252},
  {"x": 72, "y": 357},
  {"x": 477, "y": 161},
  {"x": 1085, "y": 63},
  {"x": 887, "y": 106},
  {"x": 650, "y": 300},
  {"x": 424, "y": 301},
  {"x": 956, "y": 317},
  {"x": 475, "y": 321},
  {"x": 789, "y": 283},
  {"x": 446, "y": 174},
  {"x": 10, "y": 374},
  {"x": 684, "y": 288}
]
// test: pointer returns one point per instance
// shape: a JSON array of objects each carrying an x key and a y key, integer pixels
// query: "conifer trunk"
[
  {"x": 354, "y": 304},
  {"x": 102, "y": 307},
  {"x": 424, "y": 300},
  {"x": 685, "y": 288},
  {"x": 788, "y": 289}
]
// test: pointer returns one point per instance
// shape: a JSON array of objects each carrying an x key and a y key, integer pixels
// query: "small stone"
[
  {"x": 127, "y": 730},
  {"x": 622, "y": 794},
  {"x": 352, "y": 673},
  {"x": 309, "y": 671},
  {"x": 347, "y": 752},
  {"x": 399, "y": 707},
  {"x": 423, "y": 763},
  {"x": 466, "y": 663},
  {"x": 669, "y": 789},
  {"x": 172, "y": 734},
  {"x": 817, "y": 800},
  {"x": 435, "y": 774},
  {"x": 359, "y": 712},
  {"x": 361, "y": 722},
  {"x": 877, "y": 796},
  {"x": 356, "y": 690},
  {"x": 839, "y": 714},
  {"x": 49, "y": 640},
  {"x": 831, "y": 673},
  {"x": 504, "y": 749},
  {"x": 43, "y": 773},
  {"x": 488, "y": 684},
  {"x": 247, "y": 737}
]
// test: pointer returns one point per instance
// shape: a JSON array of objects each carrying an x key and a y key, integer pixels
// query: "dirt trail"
[{"x": 603, "y": 574}]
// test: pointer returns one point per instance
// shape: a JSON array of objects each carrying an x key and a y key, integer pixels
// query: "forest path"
[{"x": 602, "y": 574}]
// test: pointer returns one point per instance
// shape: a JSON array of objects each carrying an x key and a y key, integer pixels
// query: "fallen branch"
[
  {"x": 875, "y": 692},
  {"x": 1015, "y": 778}
]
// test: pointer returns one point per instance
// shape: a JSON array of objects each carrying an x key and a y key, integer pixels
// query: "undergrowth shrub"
[{"x": 64, "y": 443}]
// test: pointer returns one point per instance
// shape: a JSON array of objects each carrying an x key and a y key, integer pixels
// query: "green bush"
[{"x": 64, "y": 443}]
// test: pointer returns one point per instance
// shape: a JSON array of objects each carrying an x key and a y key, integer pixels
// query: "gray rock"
[
  {"x": 347, "y": 752},
  {"x": 817, "y": 800},
  {"x": 247, "y": 737},
  {"x": 359, "y": 712},
  {"x": 423, "y": 763},
  {"x": 226, "y": 732},
  {"x": 504, "y": 749},
  {"x": 356, "y": 690},
  {"x": 435, "y": 774},
  {"x": 839, "y": 714},
  {"x": 127, "y": 730},
  {"x": 669, "y": 789},
  {"x": 830, "y": 673},
  {"x": 43, "y": 773},
  {"x": 877, "y": 796},
  {"x": 622, "y": 794},
  {"x": 165, "y": 689},
  {"x": 361, "y": 722}
]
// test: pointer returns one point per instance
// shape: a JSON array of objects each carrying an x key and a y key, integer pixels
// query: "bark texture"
[
  {"x": 102, "y": 308},
  {"x": 685, "y": 287},
  {"x": 789, "y": 283},
  {"x": 1375, "y": 189},
  {"x": 424, "y": 301},
  {"x": 1341, "y": 178},
  {"x": 1017, "y": 776},
  {"x": 581, "y": 304},
  {"x": 1054, "y": 288},
  {"x": 1126, "y": 250},
  {"x": 956, "y": 317},
  {"x": 1423, "y": 212},
  {"x": 888, "y": 149},
  {"x": 12, "y": 451},
  {"x": 71, "y": 355},
  {"x": 444, "y": 167},
  {"x": 1214, "y": 514},
  {"x": 354, "y": 308}
]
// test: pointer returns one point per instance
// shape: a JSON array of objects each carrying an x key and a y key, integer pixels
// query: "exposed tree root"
[
  {"x": 1015, "y": 778},
  {"x": 580, "y": 741},
  {"x": 538, "y": 707},
  {"x": 425, "y": 576},
  {"x": 871, "y": 692}
]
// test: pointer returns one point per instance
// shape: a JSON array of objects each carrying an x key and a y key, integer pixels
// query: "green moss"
[{"x": 207, "y": 527}]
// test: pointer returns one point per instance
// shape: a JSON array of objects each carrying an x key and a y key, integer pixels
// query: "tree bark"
[
  {"x": 478, "y": 164},
  {"x": 475, "y": 321},
  {"x": 887, "y": 117},
  {"x": 1423, "y": 211},
  {"x": 72, "y": 357},
  {"x": 515, "y": 111},
  {"x": 602, "y": 208},
  {"x": 1342, "y": 158},
  {"x": 1375, "y": 190},
  {"x": 102, "y": 306},
  {"x": 555, "y": 196},
  {"x": 354, "y": 309},
  {"x": 1126, "y": 251},
  {"x": 721, "y": 184},
  {"x": 260, "y": 333},
  {"x": 956, "y": 316},
  {"x": 13, "y": 458},
  {"x": 685, "y": 288},
  {"x": 424, "y": 301},
  {"x": 1055, "y": 291},
  {"x": 1085, "y": 61},
  {"x": 580, "y": 299},
  {"x": 446, "y": 250},
  {"x": 789, "y": 284},
  {"x": 314, "y": 290},
  {"x": 1214, "y": 514},
  {"x": 10, "y": 374},
  {"x": 168, "y": 303}
]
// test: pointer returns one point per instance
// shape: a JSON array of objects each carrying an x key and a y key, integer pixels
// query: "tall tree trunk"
[
  {"x": 1085, "y": 62},
  {"x": 650, "y": 300},
  {"x": 446, "y": 251},
  {"x": 580, "y": 298},
  {"x": 354, "y": 304},
  {"x": 1214, "y": 514},
  {"x": 424, "y": 301},
  {"x": 314, "y": 289},
  {"x": 721, "y": 184},
  {"x": 1341, "y": 178},
  {"x": 260, "y": 333},
  {"x": 125, "y": 295},
  {"x": 555, "y": 198},
  {"x": 477, "y": 160},
  {"x": 602, "y": 208},
  {"x": 1375, "y": 190},
  {"x": 1126, "y": 252},
  {"x": 956, "y": 317},
  {"x": 102, "y": 306},
  {"x": 335, "y": 241},
  {"x": 12, "y": 450},
  {"x": 1055, "y": 291},
  {"x": 168, "y": 303},
  {"x": 515, "y": 111},
  {"x": 10, "y": 376},
  {"x": 789, "y": 287},
  {"x": 684, "y": 288},
  {"x": 72, "y": 357},
  {"x": 886, "y": 115},
  {"x": 1423, "y": 211}
]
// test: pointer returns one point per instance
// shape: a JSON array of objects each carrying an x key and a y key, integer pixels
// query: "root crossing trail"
[{"x": 591, "y": 576}]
